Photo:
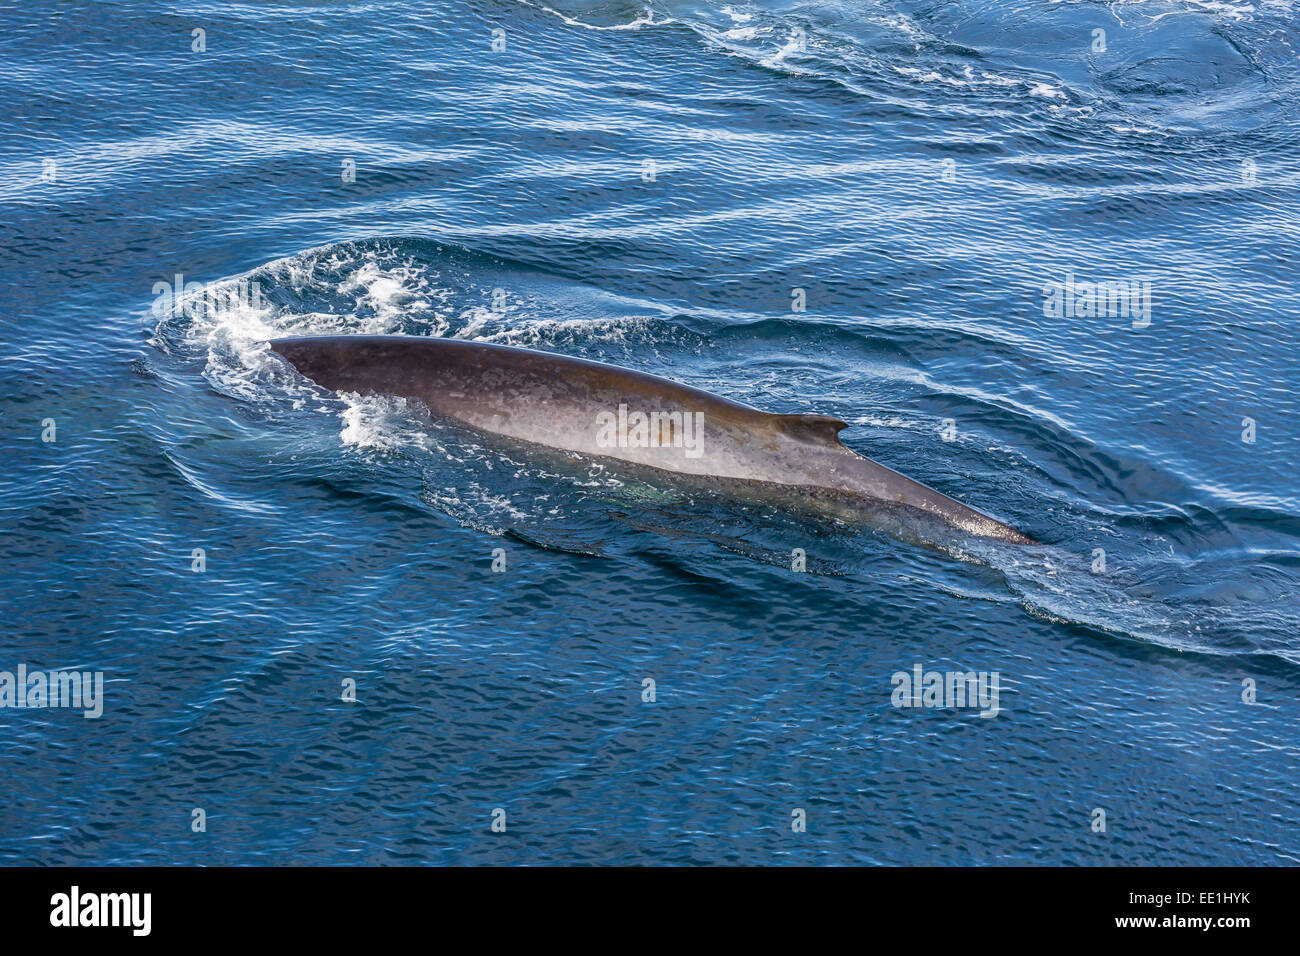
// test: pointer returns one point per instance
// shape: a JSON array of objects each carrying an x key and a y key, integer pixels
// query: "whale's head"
[
  {"x": 319, "y": 358},
  {"x": 346, "y": 363},
  {"x": 411, "y": 366}
]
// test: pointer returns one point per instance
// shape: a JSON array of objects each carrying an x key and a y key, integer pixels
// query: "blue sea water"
[{"x": 651, "y": 185}]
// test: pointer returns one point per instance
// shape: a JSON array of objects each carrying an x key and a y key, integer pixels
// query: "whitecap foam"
[
  {"x": 379, "y": 423},
  {"x": 367, "y": 290}
]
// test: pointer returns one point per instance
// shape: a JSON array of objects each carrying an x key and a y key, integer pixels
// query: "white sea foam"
[
  {"x": 645, "y": 18},
  {"x": 368, "y": 291},
  {"x": 534, "y": 332},
  {"x": 745, "y": 33},
  {"x": 379, "y": 422}
]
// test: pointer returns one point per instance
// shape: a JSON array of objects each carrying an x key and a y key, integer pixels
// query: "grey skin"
[{"x": 573, "y": 405}]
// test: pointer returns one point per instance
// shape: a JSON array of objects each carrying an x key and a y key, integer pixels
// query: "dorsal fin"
[{"x": 819, "y": 428}]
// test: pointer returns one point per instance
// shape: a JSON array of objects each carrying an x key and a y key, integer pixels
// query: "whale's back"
[
  {"x": 600, "y": 410},
  {"x": 556, "y": 400}
]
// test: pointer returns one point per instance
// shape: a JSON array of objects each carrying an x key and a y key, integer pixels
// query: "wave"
[{"x": 1156, "y": 68}]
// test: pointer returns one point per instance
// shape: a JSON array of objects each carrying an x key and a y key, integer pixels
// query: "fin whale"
[{"x": 607, "y": 412}]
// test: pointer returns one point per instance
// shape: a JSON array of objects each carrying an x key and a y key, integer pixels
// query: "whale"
[{"x": 642, "y": 423}]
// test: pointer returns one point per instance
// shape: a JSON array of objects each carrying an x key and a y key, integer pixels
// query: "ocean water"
[{"x": 861, "y": 208}]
